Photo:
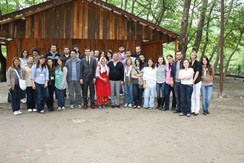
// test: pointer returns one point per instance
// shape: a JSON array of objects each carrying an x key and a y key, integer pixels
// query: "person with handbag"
[
  {"x": 15, "y": 83},
  {"x": 137, "y": 81},
  {"x": 40, "y": 77},
  {"x": 128, "y": 83}
]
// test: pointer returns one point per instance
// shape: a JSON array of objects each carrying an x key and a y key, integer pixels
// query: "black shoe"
[
  {"x": 165, "y": 109},
  {"x": 113, "y": 106},
  {"x": 118, "y": 106},
  {"x": 196, "y": 114},
  {"x": 176, "y": 111},
  {"x": 173, "y": 109},
  {"x": 207, "y": 112},
  {"x": 50, "y": 109},
  {"x": 159, "y": 104}
]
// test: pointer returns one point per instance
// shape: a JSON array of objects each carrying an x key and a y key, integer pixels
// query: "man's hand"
[
  {"x": 81, "y": 81},
  {"x": 33, "y": 86},
  {"x": 45, "y": 85},
  {"x": 9, "y": 88},
  {"x": 94, "y": 80},
  {"x": 121, "y": 82}
]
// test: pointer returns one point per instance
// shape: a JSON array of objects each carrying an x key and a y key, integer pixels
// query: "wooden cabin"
[{"x": 90, "y": 24}]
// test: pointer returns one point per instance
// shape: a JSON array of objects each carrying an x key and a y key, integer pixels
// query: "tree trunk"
[
  {"x": 208, "y": 22},
  {"x": 133, "y": 6},
  {"x": 200, "y": 25},
  {"x": 3, "y": 66},
  {"x": 122, "y": 4},
  {"x": 183, "y": 30},
  {"x": 125, "y": 5},
  {"x": 231, "y": 55},
  {"x": 161, "y": 13},
  {"x": 226, "y": 21}
]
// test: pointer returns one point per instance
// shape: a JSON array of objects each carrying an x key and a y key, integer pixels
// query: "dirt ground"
[{"x": 127, "y": 135}]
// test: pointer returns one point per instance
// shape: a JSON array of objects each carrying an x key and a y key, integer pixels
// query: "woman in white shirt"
[
  {"x": 186, "y": 88},
  {"x": 149, "y": 84}
]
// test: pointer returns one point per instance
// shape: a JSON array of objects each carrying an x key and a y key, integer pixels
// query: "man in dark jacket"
[
  {"x": 116, "y": 77},
  {"x": 73, "y": 80},
  {"x": 175, "y": 81},
  {"x": 53, "y": 54},
  {"x": 138, "y": 52},
  {"x": 66, "y": 55},
  {"x": 88, "y": 77}
]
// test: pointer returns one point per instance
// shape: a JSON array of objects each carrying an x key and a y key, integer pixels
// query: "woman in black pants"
[
  {"x": 51, "y": 84},
  {"x": 137, "y": 83}
]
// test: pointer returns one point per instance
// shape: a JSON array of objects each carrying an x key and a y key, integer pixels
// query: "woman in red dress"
[{"x": 102, "y": 83}]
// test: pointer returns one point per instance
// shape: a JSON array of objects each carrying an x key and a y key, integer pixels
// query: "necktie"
[{"x": 88, "y": 60}]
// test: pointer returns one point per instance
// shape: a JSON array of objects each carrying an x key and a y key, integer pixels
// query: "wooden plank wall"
[
  {"x": 15, "y": 46},
  {"x": 152, "y": 50},
  {"x": 80, "y": 19}
]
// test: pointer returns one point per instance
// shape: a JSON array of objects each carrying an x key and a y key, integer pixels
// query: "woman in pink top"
[{"x": 168, "y": 89}]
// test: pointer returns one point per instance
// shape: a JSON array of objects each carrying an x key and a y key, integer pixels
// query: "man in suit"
[
  {"x": 88, "y": 77},
  {"x": 175, "y": 81}
]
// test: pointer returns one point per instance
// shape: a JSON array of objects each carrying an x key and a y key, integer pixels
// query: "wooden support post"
[
  {"x": 222, "y": 49},
  {"x": 176, "y": 46}
]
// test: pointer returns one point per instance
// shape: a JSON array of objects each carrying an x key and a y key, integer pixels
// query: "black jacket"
[
  {"x": 116, "y": 73},
  {"x": 173, "y": 69},
  {"x": 88, "y": 72}
]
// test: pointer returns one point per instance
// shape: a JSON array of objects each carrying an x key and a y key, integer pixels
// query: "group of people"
[{"x": 108, "y": 75}]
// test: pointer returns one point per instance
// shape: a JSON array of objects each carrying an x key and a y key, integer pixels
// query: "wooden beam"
[{"x": 176, "y": 46}]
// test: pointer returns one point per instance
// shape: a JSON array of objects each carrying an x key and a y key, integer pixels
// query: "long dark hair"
[
  {"x": 38, "y": 62},
  {"x": 110, "y": 52},
  {"x": 50, "y": 68},
  {"x": 63, "y": 65},
  {"x": 208, "y": 64},
  {"x": 22, "y": 52},
  {"x": 153, "y": 66},
  {"x": 137, "y": 59},
  {"x": 157, "y": 64}
]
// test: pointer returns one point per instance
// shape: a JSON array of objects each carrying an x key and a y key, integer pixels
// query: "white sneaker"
[
  {"x": 71, "y": 106},
  {"x": 79, "y": 106},
  {"x": 59, "y": 108},
  {"x": 129, "y": 105},
  {"x": 29, "y": 110},
  {"x": 19, "y": 112},
  {"x": 125, "y": 105},
  {"x": 34, "y": 110},
  {"x": 23, "y": 100},
  {"x": 63, "y": 108},
  {"x": 16, "y": 113}
]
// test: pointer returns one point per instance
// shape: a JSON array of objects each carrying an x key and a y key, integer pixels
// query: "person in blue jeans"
[
  {"x": 60, "y": 83},
  {"x": 161, "y": 78},
  {"x": 186, "y": 88},
  {"x": 128, "y": 83},
  {"x": 149, "y": 84},
  {"x": 40, "y": 77},
  {"x": 207, "y": 84},
  {"x": 13, "y": 84}
]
